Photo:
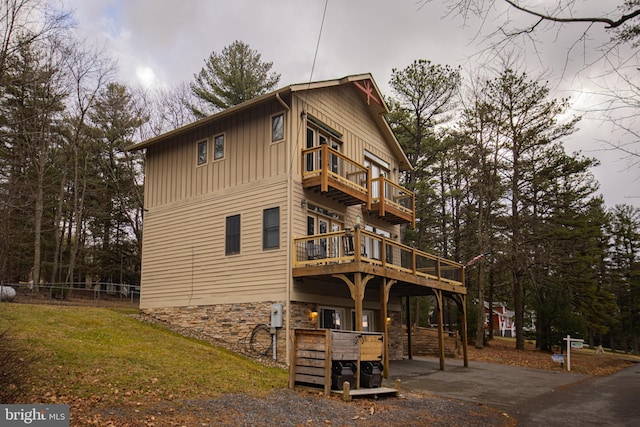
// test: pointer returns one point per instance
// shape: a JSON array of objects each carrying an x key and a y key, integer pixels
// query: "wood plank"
[
  {"x": 369, "y": 391},
  {"x": 319, "y": 363},
  {"x": 311, "y": 354},
  {"x": 307, "y": 370},
  {"x": 371, "y": 349},
  {"x": 309, "y": 346},
  {"x": 345, "y": 355},
  {"x": 292, "y": 360},
  {"x": 311, "y": 379},
  {"x": 372, "y": 357},
  {"x": 311, "y": 339}
]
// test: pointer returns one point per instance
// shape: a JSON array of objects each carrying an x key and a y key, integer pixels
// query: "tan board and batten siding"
[{"x": 183, "y": 255}]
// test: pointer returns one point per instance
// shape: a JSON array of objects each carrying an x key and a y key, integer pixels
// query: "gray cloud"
[{"x": 173, "y": 38}]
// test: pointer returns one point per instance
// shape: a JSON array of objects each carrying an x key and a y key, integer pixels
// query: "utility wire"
[
  {"x": 315, "y": 56},
  {"x": 313, "y": 66}
]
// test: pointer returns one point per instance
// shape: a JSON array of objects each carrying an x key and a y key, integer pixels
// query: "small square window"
[
  {"x": 218, "y": 147},
  {"x": 277, "y": 127},
  {"x": 202, "y": 152}
]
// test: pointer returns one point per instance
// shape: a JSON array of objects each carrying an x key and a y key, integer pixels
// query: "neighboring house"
[
  {"x": 503, "y": 324},
  {"x": 285, "y": 210}
]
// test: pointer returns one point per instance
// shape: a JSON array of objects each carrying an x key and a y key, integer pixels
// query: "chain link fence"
[{"x": 96, "y": 294}]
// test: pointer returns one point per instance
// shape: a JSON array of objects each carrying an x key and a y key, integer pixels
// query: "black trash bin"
[
  {"x": 371, "y": 374},
  {"x": 342, "y": 371}
]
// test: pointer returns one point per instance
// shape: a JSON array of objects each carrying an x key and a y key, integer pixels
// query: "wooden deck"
[{"x": 336, "y": 253}]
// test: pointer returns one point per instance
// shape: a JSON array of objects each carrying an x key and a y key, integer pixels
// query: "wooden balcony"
[
  {"x": 392, "y": 202},
  {"x": 329, "y": 172},
  {"x": 335, "y": 175},
  {"x": 358, "y": 250}
]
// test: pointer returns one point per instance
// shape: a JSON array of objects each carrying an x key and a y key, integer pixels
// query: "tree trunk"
[
  {"x": 37, "y": 228},
  {"x": 481, "y": 315}
]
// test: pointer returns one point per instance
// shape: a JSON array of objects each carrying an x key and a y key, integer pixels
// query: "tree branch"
[{"x": 610, "y": 22}]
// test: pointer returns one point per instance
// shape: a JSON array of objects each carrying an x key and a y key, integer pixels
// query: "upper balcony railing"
[
  {"x": 363, "y": 246},
  {"x": 392, "y": 202},
  {"x": 349, "y": 182},
  {"x": 334, "y": 173}
]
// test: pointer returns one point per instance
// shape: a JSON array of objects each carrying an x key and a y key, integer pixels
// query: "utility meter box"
[{"x": 276, "y": 315}]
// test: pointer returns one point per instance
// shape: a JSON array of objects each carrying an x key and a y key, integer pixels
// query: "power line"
[
  {"x": 315, "y": 55},
  {"x": 313, "y": 66}
]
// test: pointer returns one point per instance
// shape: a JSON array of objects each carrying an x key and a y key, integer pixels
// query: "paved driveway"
[{"x": 534, "y": 397}]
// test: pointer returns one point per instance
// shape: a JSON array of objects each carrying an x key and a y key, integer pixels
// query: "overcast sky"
[{"x": 165, "y": 42}]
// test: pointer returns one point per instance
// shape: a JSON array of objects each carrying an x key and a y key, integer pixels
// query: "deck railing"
[
  {"x": 329, "y": 164},
  {"x": 389, "y": 198},
  {"x": 364, "y": 246}
]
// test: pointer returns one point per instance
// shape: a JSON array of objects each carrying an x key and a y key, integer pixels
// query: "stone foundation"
[
  {"x": 234, "y": 325},
  {"x": 245, "y": 328}
]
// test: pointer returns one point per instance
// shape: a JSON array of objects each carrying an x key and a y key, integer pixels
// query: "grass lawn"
[{"x": 107, "y": 356}]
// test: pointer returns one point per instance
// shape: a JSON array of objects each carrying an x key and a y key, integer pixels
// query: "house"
[
  {"x": 503, "y": 323},
  {"x": 285, "y": 211}
]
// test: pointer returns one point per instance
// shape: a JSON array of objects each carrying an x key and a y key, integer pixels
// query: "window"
[
  {"x": 331, "y": 318},
  {"x": 218, "y": 147},
  {"x": 202, "y": 152},
  {"x": 372, "y": 246},
  {"x": 318, "y": 135},
  {"x": 367, "y": 320},
  {"x": 321, "y": 221},
  {"x": 271, "y": 228},
  {"x": 232, "y": 235},
  {"x": 277, "y": 127},
  {"x": 378, "y": 168}
]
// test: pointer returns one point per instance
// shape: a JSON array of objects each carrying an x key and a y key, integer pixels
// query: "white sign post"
[{"x": 570, "y": 342}]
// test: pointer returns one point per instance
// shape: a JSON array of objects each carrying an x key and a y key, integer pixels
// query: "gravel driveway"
[{"x": 302, "y": 407}]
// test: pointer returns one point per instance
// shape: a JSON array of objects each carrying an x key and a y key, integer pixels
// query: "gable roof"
[{"x": 364, "y": 82}]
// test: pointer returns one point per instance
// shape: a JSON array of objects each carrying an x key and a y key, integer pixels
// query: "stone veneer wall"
[
  {"x": 395, "y": 335},
  {"x": 232, "y": 324}
]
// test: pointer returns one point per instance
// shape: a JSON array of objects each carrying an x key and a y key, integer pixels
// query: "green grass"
[{"x": 102, "y": 354}]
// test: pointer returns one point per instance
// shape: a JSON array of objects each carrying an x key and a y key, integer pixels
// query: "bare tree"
[
  {"x": 89, "y": 70},
  {"x": 167, "y": 109},
  {"x": 520, "y": 23},
  {"x": 23, "y": 22},
  {"x": 621, "y": 19}
]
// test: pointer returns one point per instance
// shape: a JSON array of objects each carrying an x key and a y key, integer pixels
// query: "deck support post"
[
  {"x": 385, "y": 288},
  {"x": 461, "y": 301},
  {"x": 409, "y": 344},
  {"x": 356, "y": 287},
  {"x": 440, "y": 327}
]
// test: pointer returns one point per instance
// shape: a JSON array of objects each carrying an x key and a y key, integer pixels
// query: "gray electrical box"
[{"x": 276, "y": 315}]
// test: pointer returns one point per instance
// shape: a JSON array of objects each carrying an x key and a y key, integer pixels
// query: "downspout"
[
  {"x": 281, "y": 101},
  {"x": 288, "y": 157}
]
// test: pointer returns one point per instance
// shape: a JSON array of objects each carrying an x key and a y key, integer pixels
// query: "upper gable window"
[
  {"x": 218, "y": 147},
  {"x": 202, "y": 152},
  {"x": 277, "y": 127}
]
